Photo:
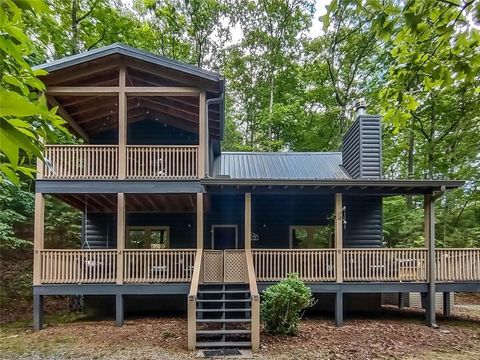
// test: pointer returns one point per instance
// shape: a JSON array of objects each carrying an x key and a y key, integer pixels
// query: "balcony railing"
[
  {"x": 458, "y": 264},
  {"x": 78, "y": 266},
  {"x": 102, "y": 162},
  {"x": 145, "y": 266},
  {"x": 312, "y": 265},
  {"x": 162, "y": 162},
  {"x": 81, "y": 162}
]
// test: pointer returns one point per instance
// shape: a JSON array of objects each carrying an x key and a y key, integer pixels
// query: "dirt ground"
[{"x": 391, "y": 334}]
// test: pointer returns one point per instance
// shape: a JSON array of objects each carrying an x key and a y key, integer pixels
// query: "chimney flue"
[{"x": 361, "y": 107}]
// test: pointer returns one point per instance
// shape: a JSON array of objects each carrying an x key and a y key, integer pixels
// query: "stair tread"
[
  {"x": 223, "y": 291},
  {"x": 222, "y": 300},
  {"x": 224, "y": 332},
  {"x": 224, "y": 344},
  {"x": 222, "y": 310},
  {"x": 222, "y": 320}
]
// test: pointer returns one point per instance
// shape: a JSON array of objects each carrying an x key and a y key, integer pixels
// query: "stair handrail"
[
  {"x": 192, "y": 301},
  {"x": 255, "y": 297}
]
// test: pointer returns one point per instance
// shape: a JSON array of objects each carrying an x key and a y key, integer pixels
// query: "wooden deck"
[{"x": 313, "y": 265}]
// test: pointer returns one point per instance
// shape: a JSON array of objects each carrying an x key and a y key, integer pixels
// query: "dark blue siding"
[
  {"x": 148, "y": 132},
  {"x": 364, "y": 221},
  {"x": 362, "y": 148}
]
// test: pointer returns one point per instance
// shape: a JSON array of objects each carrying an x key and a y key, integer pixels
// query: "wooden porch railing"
[
  {"x": 78, "y": 266},
  {"x": 77, "y": 162},
  {"x": 384, "y": 264},
  {"x": 162, "y": 162},
  {"x": 458, "y": 264},
  {"x": 311, "y": 265},
  {"x": 81, "y": 162},
  {"x": 152, "y": 265}
]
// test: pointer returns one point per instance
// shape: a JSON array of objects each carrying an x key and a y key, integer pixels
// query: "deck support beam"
[
  {"x": 37, "y": 312},
  {"x": 429, "y": 228},
  {"x": 200, "y": 225},
  {"x": 202, "y": 137},
  {"x": 248, "y": 221},
  {"x": 122, "y": 124},
  {"x": 338, "y": 309},
  {"x": 339, "y": 237},
  {"x": 38, "y": 237},
  {"x": 446, "y": 304},
  {"x": 120, "y": 235},
  {"x": 119, "y": 310}
]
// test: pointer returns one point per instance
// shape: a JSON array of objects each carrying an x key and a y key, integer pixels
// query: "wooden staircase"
[{"x": 223, "y": 316}]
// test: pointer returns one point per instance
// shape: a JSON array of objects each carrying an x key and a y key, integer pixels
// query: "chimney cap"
[{"x": 360, "y": 107}]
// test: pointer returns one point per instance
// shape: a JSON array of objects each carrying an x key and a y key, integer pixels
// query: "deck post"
[
  {"x": 38, "y": 237},
  {"x": 429, "y": 212},
  {"x": 120, "y": 235},
  {"x": 446, "y": 304},
  {"x": 122, "y": 124},
  {"x": 248, "y": 221},
  {"x": 202, "y": 136},
  {"x": 119, "y": 310},
  {"x": 200, "y": 226},
  {"x": 339, "y": 308},
  {"x": 339, "y": 237},
  {"x": 37, "y": 312}
]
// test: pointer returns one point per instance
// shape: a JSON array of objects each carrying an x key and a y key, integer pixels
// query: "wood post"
[
  {"x": 38, "y": 237},
  {"x": 202, "y": 137},
  {"x": 120, "y": 235},
  {"x": 248, "y": 221},
  {"x": 339, "y": 237},
  {"x": 338, "y": 309},
  {"x": 429, "y": 227},
  {"x": 446, "y": 303},
  {"x": 37, "y": 312},
  {"x": 122, "y": 124},
  {"x": 119, "y": 310},
  {"x": 200, "y": 226}
]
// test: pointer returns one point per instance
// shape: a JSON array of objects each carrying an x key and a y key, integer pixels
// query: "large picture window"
[
  {"x": 148, "y": 237},
  {"x": 311, "y": 237}
]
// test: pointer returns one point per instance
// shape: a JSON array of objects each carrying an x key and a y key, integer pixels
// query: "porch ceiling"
[
  {"x": 135, "y": 203},
  {"x": 350, "y": 186},
  {"x": 100, "y": 67}
]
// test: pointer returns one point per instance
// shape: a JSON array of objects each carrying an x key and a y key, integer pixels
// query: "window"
[
  {"x": 148, "y": 237},
  {"x": 311, "y": 237}
]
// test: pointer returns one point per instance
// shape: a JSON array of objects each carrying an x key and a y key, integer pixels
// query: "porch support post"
[
  {"x": 202, "y": 136},
  {"x": 120, "y": 235},
  {"x": 339, "y": 236},
  {"x": 122, "y": 124},
  {"x": 446, "y": 303},
  {"x": 248, "y": 221},
  {"x": 200, "y": 226},
  {"x": 429, "y": 212},
  {"x": 37, "y": 312},
  {"x": 38, "y": 237},
  {"x": 339, "y": 308},
  {"x": 119, "y": 310}
]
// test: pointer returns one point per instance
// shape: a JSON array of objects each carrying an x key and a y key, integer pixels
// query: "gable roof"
[
  {"x": 132, "y": 52},
  {"x": 280, "y": 166}
]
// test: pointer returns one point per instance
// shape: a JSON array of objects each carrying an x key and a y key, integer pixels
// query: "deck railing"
[
  {"x": 311, "y": 265},
  {"x": 81, "y": 162},
  {"x": 78, "y": 266},
  {"x": 384, "y": 264},
  {"x": 162, "y": 162},
  {"x": 101, "y": 162},
  {"x": 458, "y": 264},
  {"x": 147, "y": 266}
]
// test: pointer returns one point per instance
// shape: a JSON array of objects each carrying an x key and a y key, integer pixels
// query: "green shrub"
[{"x": 282, "y": 305}]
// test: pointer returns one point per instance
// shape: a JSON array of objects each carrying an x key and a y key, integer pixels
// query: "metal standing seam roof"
[
  {"x": 130, "y": 52},
  {"x": 287, "y": 165}
]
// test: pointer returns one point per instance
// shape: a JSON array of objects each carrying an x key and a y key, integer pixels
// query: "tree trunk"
[
  {"x": 411, "y": 148},
  {"x": 74, "y": 45}
]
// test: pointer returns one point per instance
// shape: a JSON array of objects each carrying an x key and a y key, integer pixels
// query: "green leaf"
[{"x": 13, "y": 104}]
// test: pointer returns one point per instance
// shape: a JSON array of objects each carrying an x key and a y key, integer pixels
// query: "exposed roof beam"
[{"x": 66, "y": 116}]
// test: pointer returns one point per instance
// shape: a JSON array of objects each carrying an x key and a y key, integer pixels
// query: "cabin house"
[{"x": 167, "y": 212}]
